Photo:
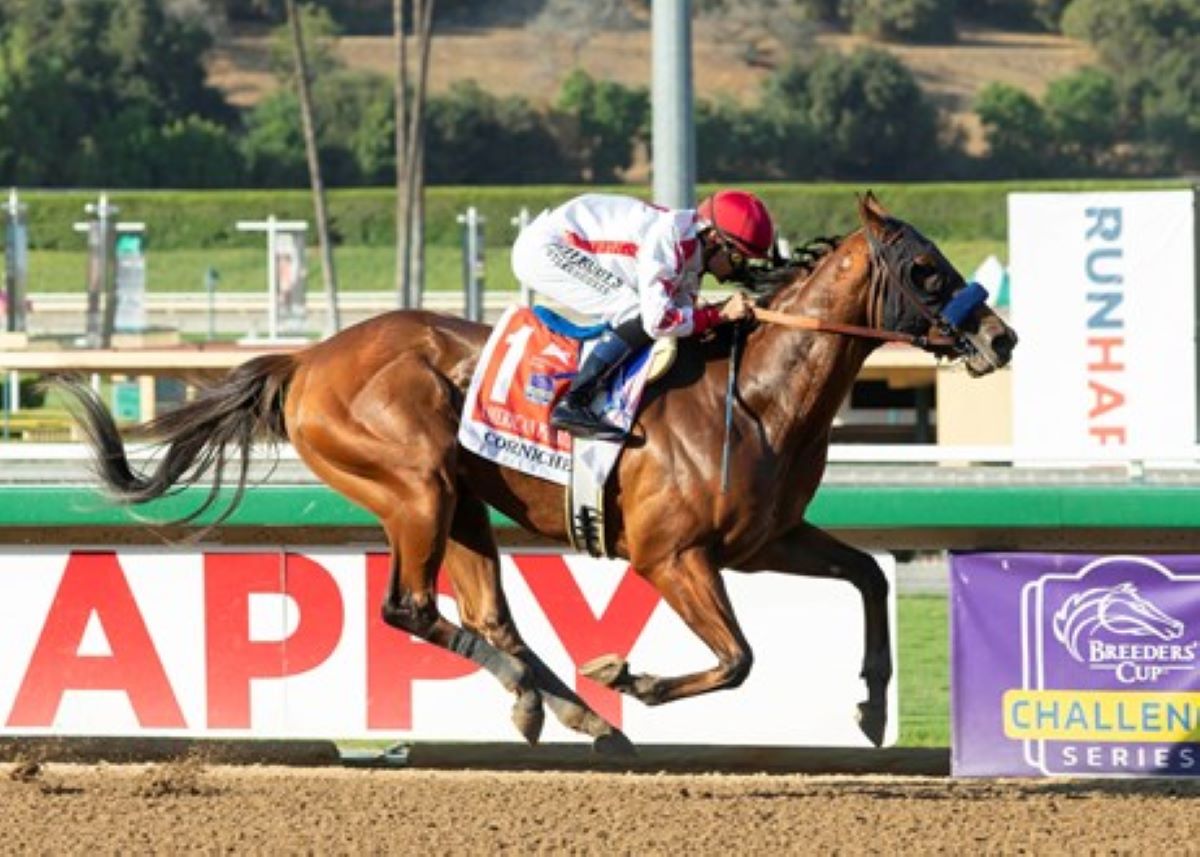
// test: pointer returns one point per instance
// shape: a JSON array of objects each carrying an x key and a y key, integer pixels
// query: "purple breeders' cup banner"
[{"x": 1075, "y": 665}]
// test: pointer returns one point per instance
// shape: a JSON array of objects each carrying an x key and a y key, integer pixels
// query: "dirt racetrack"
[{"x": 190, "y": 806}]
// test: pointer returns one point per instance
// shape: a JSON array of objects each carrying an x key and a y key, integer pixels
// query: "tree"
[
  {"x": 786, "y": 90},
  {"x": 477, "y": 138},
  {"x": 608, "y": 120},
  {"x": 318, "y": 30},
  {"x": 1016, "y": 131},
  {"x": 754, "y": 29},
  {"x": 920, "y": 21},
  {"x": 410, "y": 150},
  {"x": 868, "y": 112},
  {"x": 40, "y": 128},
  {"x": 158, "y": 49},
  {"x": 273, "y": 144},
  {"x": 1149, "y": 48},
  {"x": 574, "y": 23},
  {"x": 1083, "y": 115},
  {"x": 87, "y": 85},
  {"x": 196, "y": 152},
  {"x": 1171, "y": 111},
  {"x": 304, "y": 95},
  {"x": 354, "y": 128},
  {"x": 786, "y": 103},
  {"x": 1014, "y": 14},
  {"x": 86, "y": 88},
  {"x": 735, "y": 143},
  {"x": 400, "y": 152}
]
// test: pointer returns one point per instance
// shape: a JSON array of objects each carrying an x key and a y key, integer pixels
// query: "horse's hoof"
[
  {"x": 614, "y": 745},
  {"x": 872, "y": 720},
  {"x": 608, "y": 670},
  {"x": 528, "y": 715}
]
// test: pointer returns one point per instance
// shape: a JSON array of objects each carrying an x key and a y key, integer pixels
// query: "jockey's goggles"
[{"x": 737, "y": 259}]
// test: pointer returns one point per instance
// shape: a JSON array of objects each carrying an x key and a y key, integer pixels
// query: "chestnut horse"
[{"x": 374, "y": 411}]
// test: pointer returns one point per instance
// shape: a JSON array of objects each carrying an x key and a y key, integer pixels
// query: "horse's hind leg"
[
  {"x": 473, "y": 562},
  {"x": 399, "y": 465}
]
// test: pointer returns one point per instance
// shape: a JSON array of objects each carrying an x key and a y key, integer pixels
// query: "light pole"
[{"x": 673, "y": 147}]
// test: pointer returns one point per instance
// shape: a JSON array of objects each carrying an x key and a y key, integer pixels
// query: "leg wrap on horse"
[{"x": 512, "y": 672}]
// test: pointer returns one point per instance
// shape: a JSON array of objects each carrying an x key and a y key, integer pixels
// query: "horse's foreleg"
[
  {"x": 811, "y": 552},
  {"x": 692, "y": 585},
  {"x": 473, "y": 562}
]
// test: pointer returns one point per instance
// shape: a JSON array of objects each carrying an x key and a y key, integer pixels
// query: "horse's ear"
[
  {"x": 872, "y": 214},
  {"x": 875, "y": 205}
]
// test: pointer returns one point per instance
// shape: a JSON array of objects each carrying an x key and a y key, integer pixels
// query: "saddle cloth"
[{"x": 523, "y": 370}]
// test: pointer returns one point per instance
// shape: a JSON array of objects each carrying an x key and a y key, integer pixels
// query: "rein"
[{"x": 808, "y": 322}]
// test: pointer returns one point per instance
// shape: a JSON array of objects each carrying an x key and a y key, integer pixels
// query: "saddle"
[{"x": 524, "y": 368}]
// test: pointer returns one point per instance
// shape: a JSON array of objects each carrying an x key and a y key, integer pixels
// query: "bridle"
[{"x": 889, "y": 267}]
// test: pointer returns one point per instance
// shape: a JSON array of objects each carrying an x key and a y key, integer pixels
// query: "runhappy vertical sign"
[
  {"x": 1107, "y": 370},
  {"x": 1103, "y": 292}
]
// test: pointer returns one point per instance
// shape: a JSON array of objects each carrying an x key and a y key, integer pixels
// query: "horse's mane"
[
  {"x": 763, "y": 281},
  {"x": 766, "y": 280}
]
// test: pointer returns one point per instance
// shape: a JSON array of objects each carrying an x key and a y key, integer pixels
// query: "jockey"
[{"x": 637, "y": 267}]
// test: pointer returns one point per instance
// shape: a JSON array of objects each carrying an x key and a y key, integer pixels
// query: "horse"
[{"x": 374, "y": 412}]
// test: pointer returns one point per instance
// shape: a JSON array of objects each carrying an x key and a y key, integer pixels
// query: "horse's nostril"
[{"x": 1002, "y": 345}]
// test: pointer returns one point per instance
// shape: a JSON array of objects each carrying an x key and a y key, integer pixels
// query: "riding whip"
[{"x": 730, "y": 392}]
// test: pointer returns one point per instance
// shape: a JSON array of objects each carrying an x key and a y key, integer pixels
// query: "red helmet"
[{"x": 742, "y": 220}]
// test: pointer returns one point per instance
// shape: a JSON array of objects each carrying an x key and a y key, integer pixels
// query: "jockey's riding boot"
[{"x": 577, "y": 414}]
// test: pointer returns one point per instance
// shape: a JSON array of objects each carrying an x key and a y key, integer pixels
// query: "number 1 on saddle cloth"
[{"x": 524, "y": 368}]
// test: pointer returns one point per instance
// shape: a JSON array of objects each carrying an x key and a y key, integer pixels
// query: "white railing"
[
  {"x": 933, "y": 454},
  {"x": 71, "y": 452},
  {"x": 1188, "y": 457},
  {"x": 198, "y": 302}
]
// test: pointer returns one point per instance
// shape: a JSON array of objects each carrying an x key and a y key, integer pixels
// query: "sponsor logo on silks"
[
  {"x": 584, "y": 268},
  {"x": 1115, "y": 628},
  {"x": 540, "y": 389}
]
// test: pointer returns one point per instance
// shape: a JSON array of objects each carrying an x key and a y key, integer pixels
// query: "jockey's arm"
[{"x": 666, "y": 292}]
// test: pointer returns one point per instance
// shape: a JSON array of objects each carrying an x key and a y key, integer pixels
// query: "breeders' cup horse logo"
[{"x": 1116, "y": 609}]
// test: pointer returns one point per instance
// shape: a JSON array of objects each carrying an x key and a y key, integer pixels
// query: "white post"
[
  {"x": 101, "y": 285},
  {"x": 521, "y": 221},
  {"x": 16, "y": 263},
  {"x": 272, "y": 227},
  {"x": 472, "y": 263},
  {"x": 272, "y": 281}
]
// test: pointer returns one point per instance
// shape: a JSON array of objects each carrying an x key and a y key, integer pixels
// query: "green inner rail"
[{"x": 835, "y": 506}]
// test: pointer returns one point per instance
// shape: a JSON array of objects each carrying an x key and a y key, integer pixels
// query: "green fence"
[{"x": 1140, "y": 515}]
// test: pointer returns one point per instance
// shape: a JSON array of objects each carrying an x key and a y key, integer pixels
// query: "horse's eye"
[{"x": 925, "y": 277}]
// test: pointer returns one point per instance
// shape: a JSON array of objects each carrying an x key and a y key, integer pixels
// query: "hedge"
[{"x": 201, "y": 219}]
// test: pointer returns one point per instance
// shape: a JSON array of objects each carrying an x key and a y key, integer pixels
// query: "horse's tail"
[{"x": 247, "y": 404}]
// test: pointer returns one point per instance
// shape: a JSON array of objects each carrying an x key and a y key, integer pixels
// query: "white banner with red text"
[{"x": 290, "y": 644}]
